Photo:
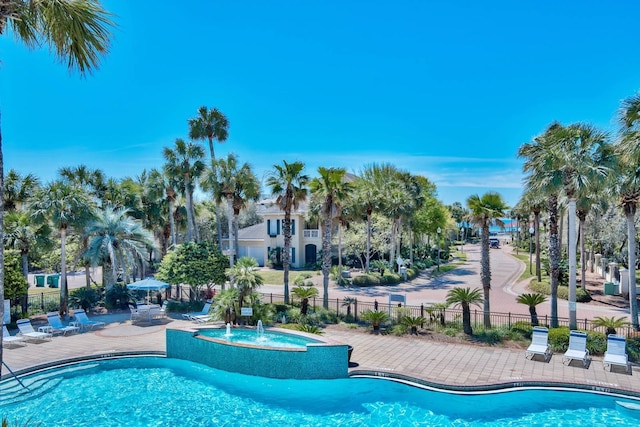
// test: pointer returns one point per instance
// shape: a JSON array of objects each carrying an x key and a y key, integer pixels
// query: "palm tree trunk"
[
  {"x": 554, "y": 257},
  {"x": 368, "y": 264},
  {"x": 410, "y": 244},
  {"x": 466, "y": 320},
  {"x": 25, "y": 264},
  {"x": 534, "y": 315},
  {"x": 64, "y": 290},
  {"x": 189, "y": 212},
  {"x": 172, "y": 224},
  {"x": 230, "y": 225},
  {"x": 326, "y": 260},
  {"x": 1, "y": 240},
  {"x": 536, "y": 224},
  {"x": 485, "y": 273},
  {"x": 583, "y": 256},
  {"x": 573, "y": 322},
  {"x": 87, "y": 275},
  {"x": 630, "y": 213},
  {"x": 340, "y": 247},
  {"x": 286, "y": 264},
  {"x": 194, "y": 226},
  {"x": 392, "y": 250}
]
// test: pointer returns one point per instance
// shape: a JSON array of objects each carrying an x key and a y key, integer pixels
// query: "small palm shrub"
[
  {"x": 611, "y": 323},
  {"x": 84, "y": 298},
  {"x": 413, "y": 323},
  {"x": 300, "y": 279},
  {"x": 376, "y": 318}
]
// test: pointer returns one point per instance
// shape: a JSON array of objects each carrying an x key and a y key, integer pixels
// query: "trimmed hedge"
[
  {"x": 559, "y": 340},
  {"x": 389, "y": 278},
  {"x": 563, "y": 291}
]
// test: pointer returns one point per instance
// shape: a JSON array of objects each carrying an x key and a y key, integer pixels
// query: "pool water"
[
  {"x": 154, "y": 391},
  {"x": 266, "y": 339}
]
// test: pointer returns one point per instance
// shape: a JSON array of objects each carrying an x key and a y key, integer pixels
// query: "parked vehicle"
[{"x": 494, "y": 243}]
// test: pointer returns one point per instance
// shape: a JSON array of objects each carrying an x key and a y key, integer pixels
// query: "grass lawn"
[
  {"x": 37, "y": 291},
  {"x": 276, "y": 277},
  {"x": 525, "y": 258}
]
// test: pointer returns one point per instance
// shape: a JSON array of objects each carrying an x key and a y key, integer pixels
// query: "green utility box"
[
  {"x": 39, "y": 278},
  {"x": 609, "y": 288},
  {"x": 53, "y": 280}
]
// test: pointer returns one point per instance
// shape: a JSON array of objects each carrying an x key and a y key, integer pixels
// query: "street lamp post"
[
  {"x": 531, "y": 233},
  {"x": 439, "y": 230}
]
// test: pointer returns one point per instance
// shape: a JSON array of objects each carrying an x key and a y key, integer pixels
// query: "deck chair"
[
  {"x": 539, "y": 344},
  {"x": 83, "y": 322},
  {"x": 8, "y": 339},
  {"x": 577, "y": 348},
  {"x": 28, "y": 333},
  {"x": 204, "y": 312},
  {"x": 135, "y": 314},
  {"x": 616, "y": 353},
  {"x": 158, "y": 312},
  {"x": 56, "y": 326}
]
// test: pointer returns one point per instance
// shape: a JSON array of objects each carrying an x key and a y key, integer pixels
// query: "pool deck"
[{"x": 456, "y": 365}]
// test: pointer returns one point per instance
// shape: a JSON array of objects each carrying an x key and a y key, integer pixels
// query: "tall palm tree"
[
  {"x": 331, "y": 188},
  {"x": 367, "y": 198},
  {"x": 77, "y": 32},
  {"x": 210, "y": 124},
  {"x": 117, "y": 241},
  {"x": 484, "y": 211},
  {"x": 580, "y": 155},
  {"x": 185, "y": 161},
  {"x": 18, "y": 189},
  {"x": 237, "y": 185},
  {"x": 65, "y": 205},
  {"x": 23, "y": 233},
  {"x": 289, "y": 185},
  {"x": 628, "y": 186},
  {"x": 464, "y": 297},
  {"x": 542, "y": 176}
]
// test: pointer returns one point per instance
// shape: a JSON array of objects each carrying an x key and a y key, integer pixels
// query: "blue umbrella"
[{"x": 148, "y": 284}]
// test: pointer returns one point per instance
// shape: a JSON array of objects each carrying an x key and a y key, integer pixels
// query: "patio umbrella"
[{"x": 149, "y": 284}]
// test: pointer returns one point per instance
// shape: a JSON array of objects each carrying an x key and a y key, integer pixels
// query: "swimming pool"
[
  {"x": 265, "y": 339},
  {"x": 155, "y": 391}
]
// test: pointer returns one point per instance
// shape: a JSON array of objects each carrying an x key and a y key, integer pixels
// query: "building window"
[
  {"x": 293, "y": 227},
  {"x": 293, "y": 255}
]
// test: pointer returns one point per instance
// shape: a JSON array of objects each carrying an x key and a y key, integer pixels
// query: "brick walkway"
[{"x": 428, "y": 361}]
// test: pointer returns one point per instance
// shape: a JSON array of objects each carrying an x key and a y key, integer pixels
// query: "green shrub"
[
  {"x": 366, "y": 280},
  {"x": 84, "y": 298},
  {"x": 299, "y": 280},
  {"x": 523, "y": 328},
  {"x": 117, "y": 297},
  {"x": 596, "y": 342},
  {"x": 490, "y": 336},
  {"x": 390, "y": 278},
  {"x": 412, "y": 273},
  {"x": 559, "y": 339},
  {"x": 544, "y": 288},
  {"x": 399, "y": 329},
  {"x": 633, "y": 348}
]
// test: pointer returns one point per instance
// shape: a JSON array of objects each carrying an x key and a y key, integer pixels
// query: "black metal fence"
[{"x": 437, "y": 318}]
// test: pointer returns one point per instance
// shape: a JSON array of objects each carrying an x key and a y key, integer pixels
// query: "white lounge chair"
[
  {"x": 577, "y": 348},
  {"x": 135, "y": 313},
  {"x": 28, "y": 333},
  {"x": 83, "y": 322},
  {"x": 158, "y": 312},
  {"x": 539, "y": 343},
  {"x": 616, "y": 353},
  {"x": 204, "y": 312},
  {"x": 56, "y": 326},
  {"x": 8, "y": 339}
]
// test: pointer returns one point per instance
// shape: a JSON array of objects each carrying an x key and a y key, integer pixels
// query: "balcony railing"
[{"x": 311, "y": 233}]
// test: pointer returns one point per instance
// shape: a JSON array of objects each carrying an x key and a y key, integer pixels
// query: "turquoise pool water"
[
  {"x": 152, "y": 391},
  {"x": 267, "y": 339}
]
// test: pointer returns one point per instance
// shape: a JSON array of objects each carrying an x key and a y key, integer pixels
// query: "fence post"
[
  {"x": 585, "y": 323},
  {"x": 475, "y": 317},
  {"x": 509, "y": 322},
  {"x": 42, "y": 300},
  {"x": 355, "y": 310},
  {"x": 422, "y": 314},
  {"x": 337, "y": 307},
  {"x": 271, "y": 297}
]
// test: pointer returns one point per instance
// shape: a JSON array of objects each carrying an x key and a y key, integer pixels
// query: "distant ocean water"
[{"x": 509, "y": 226}]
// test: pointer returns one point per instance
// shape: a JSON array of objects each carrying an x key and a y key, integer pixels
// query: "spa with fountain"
[{"x": 271, "y": 352}]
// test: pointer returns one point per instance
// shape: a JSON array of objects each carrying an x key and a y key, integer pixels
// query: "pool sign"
[{"x": 246, "y": 311}]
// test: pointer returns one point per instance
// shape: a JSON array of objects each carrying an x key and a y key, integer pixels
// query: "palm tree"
[
  {"x": 238, "y": 185},
  {"x": 611, "y": 323},
  {"x": 18, "y": 189},
  {"x": 543, "y": 178},
  {"x": 331, "y": 188},
  {"x": 185, "y": 162},
  {"x": 464, "y": 297},
  {"x": 245, "y": 277},
  {"x": 210, "y": 124},
  {"x": 77, "y": 32},
  {"x": 582, "y": 155},
  {"x": 483, "y": 211},
  {"x": 117, "y": 241},
  {"x": 22, "y": 233},
  {"x": 628, "y": 186},
  {"x": 289, "y": 185},
  {"x": 532, "y": 300},
  {"x": 64, "y": 205}
]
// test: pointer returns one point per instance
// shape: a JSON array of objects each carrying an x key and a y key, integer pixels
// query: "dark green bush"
[
  {"x": 390, "y": 278},
  {"x": 523, "y": 328},
  {"x": 84, "y": 298},
  {"x": 544, "y": 288},
  {"x": 366, "y": 280},
  {"x": 117, "y": 297},
  {"x": 633, "y": 349},
  {"x": 490, "y": 336},
  {"x": 596, "y": 342}
]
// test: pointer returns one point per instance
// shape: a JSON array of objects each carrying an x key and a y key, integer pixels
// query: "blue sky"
[{"x": 445, "y": 89}]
